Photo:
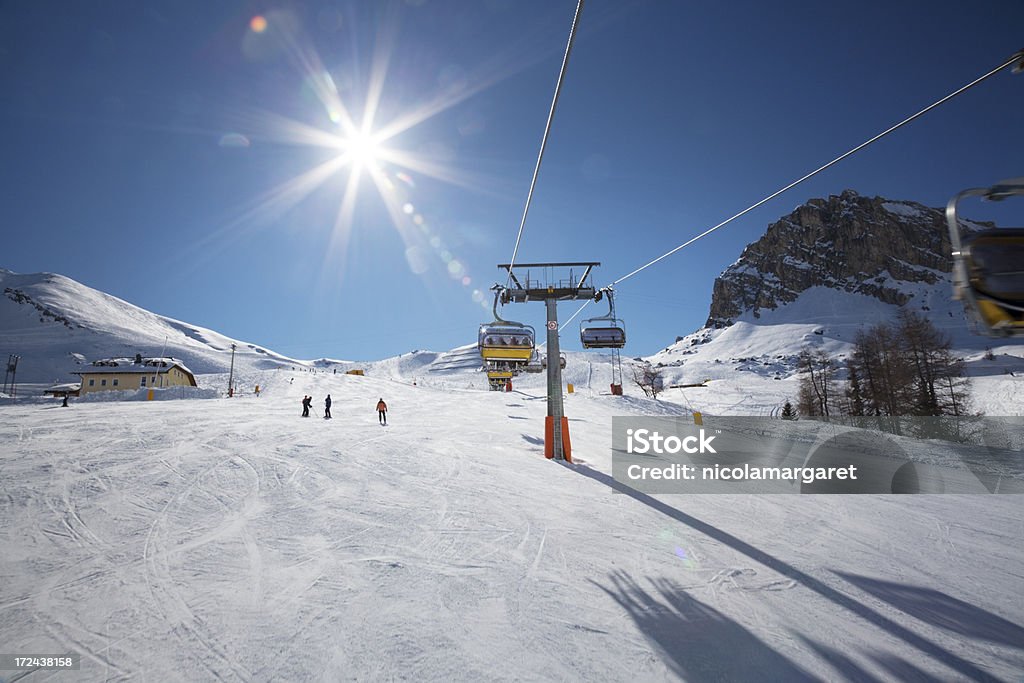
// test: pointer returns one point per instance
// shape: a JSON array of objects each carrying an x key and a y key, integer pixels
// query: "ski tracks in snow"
[{"x": 233, "y": 540}]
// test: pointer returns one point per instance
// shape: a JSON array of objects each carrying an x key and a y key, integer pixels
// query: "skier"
[
  {"x": 327, "y": 407},
  {"x": 382, "y": 412},
  {"x": 65, "y": 403},
  {"x": 307, "y": 401}
]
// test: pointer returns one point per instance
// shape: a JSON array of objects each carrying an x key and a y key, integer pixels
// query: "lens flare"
[
  {"x": 357, "y": 143},
  {"x": 233, "y": 140}
]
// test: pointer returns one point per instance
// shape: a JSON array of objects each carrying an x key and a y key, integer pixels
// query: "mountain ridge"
[
  {"x": 848, "y": 242},
  {"x": 817, "y": 277}
]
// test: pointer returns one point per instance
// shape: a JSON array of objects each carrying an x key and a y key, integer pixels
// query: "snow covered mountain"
[
  {"x": 816, "y": 278},
  {"x": 55, "y": 324},
  {"x": 849, "y": 243}
]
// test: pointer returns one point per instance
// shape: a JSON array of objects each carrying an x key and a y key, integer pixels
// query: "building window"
[
  {"x": 115, "y": 382},
  {"x": 92, "y": 383},
  {"x": 143, "y": 382},
  {"x": 103, "y": 382}
]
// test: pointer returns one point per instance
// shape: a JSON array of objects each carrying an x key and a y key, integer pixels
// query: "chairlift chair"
[
  {"x": 505, "y": 340},
  {"x": 544, "y": 361},
  {"x": 498, "y": 378},
  {"x": 988, "y": 266},
  {"x": 606, "y": 331},
  {"x": 536, "y": 364}
]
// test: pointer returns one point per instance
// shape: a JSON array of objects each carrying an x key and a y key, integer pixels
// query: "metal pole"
[
  {"x": 231, "y": 374},
  {"x": 11, "y": 375},
  {"x": 555, "y": 410}
]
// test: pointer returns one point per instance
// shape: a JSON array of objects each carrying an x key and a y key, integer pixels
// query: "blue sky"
[{"x": 165, "y": 152}]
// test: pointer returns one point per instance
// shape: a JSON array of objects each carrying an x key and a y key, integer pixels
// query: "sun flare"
[{"x": 363, "y": 149}]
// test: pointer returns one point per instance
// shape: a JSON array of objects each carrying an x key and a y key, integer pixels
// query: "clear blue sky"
[{"x": 164, "y": 152}]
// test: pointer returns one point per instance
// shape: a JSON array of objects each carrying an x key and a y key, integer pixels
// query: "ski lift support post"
[{"x": 551, "y": 290}]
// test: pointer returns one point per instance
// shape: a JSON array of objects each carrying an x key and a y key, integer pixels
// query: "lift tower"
[
  {"x": 10, "y": 376},
  {"x": 555, "y": 282}
]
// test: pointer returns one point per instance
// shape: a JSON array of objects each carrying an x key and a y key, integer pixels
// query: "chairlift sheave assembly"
[
  {"x": 561, "y": 361},
  {"x": 603, "y": 332},
  {"x": 988, "y": 266}
]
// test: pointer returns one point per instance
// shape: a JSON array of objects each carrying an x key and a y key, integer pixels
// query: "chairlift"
[
  {"x": 536, "y": 364},
  {"x": 498, "y": 379},
  {"x": 603, "y": 332},
  {"x": 988, "y": 266},
  {"x": 505, "y": 340},
  {"x": 544, "y": 361}
]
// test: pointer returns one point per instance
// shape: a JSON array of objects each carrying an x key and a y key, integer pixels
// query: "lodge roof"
[{"x": 148, "y": 366}]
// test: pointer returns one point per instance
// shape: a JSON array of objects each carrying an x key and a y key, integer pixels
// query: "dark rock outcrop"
[{"x": 848, "y": 242}]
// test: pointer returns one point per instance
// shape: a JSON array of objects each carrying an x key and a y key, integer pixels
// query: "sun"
[{"x": 362, "y": 148}]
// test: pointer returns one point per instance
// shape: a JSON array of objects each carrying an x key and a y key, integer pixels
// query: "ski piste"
[{"x": 262, "y": 518}]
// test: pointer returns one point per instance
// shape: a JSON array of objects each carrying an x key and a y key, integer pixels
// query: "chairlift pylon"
[{"x": 988, "y": 266}]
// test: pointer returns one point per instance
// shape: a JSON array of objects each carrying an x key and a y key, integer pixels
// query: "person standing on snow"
[
  {"x": 327, "y": 407},
  {"x": 382, "y": 412},
  {"x": 307, "y": 401}
]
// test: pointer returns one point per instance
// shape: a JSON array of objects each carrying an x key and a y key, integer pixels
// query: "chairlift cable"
[
  {"x": 544, "y": 139},
  {"x": 1017, "y": 59}
]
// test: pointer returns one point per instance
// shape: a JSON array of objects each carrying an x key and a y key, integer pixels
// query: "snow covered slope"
[
  {"x": 55, "y": 324},
  {"x": 233, "y": 540}
]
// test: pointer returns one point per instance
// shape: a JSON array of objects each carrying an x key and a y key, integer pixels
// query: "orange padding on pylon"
[
  {"x": 549, "y": 438},
  {"x": 566, "y": 445}
]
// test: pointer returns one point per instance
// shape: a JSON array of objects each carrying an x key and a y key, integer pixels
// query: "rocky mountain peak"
[{"x": 848, "y": 242}]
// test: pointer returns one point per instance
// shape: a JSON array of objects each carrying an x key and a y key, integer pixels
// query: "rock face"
[{"x": 846, "y": 242}]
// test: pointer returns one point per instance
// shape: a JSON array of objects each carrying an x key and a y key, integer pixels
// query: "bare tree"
[
  {"x": 817, "y": 383},
  {"x": 906, "y": 369},
  {"x": 649, "y": 379},
  {"x": 878, "y": 361},
  {"x": 854, "y": 395}
]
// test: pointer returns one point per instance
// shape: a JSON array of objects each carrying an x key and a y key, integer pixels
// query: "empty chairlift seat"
[
  {"x": 602, "y": 334},
  {"x": 606, "y": 331}
]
